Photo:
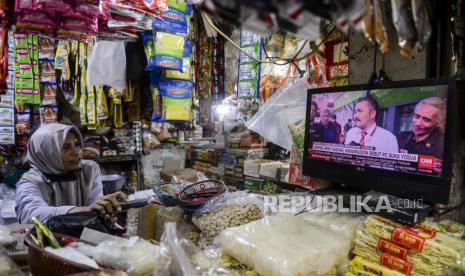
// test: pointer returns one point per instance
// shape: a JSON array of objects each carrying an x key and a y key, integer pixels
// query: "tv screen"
[{"x": 397, "y": 130}]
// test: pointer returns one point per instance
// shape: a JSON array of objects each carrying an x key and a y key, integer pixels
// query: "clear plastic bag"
[
  {"x": 187, "y": 259},
  {"x": 229, "y": 210},
  {"x": 285, "y": 245},
  {"x": 7, "y": 266},
  {"x": 135, "y": 256},
  {"x": 6, "y": 239},
  {"x": 73, "y": 255},
  {"x": 107, "y": 65},
  {"x": 265, "y": 121}
]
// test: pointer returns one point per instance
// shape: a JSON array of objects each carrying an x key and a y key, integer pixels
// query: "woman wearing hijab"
[{"x": 59, "y": 181}]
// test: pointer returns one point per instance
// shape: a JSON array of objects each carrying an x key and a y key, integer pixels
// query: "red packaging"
[
  {"x": 40, "y": 19},
  {"x": 24, "y": 5},
  {"x": 54, "y": 6},
  {"x": 78, "y": 25}
]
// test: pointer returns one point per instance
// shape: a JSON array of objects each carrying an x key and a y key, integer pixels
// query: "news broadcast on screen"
[{"x": 395, "y": 129}]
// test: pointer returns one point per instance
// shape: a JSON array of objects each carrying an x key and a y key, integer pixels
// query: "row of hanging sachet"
[{"x": 169, "y": 54}]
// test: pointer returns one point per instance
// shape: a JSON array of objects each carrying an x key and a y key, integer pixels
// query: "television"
[{"x": 397, "y": 138}]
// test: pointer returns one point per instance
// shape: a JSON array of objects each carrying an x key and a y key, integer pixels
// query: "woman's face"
[{"x": 71, "y": 152}]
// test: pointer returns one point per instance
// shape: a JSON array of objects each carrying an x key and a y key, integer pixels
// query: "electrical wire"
[{"x": 286, "y": 61}]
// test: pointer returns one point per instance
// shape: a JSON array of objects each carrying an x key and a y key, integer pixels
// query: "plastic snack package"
[
  {"x": 172, "y": 21},
  {"x": 136, "y": 256},
  {"x": 48, "y": 114},
  {"x": 422, "y": 25},
  {"x": 169, "y": 50},
  {"x": 380, "y": 26},
  {"x": 7, "y": 116},
  {"x": 397, "y": 257},
  {"x": 367, "y": 23},
  {"x": 159, "y": 5},
  {"x": 49, "y": 92},
  {"x": 46, "y": 48},
  {"x": 61, "y": 56},
  {"x": 7, "y": 266},
  {"x": 47, "y": 71},
  {"x": 405, "y": 26},
  {"x": 179, "y": 5},
  {"x": 102, "y": 105},
  {"x": 83, "y": 109},
  {"x": 7, "y": 135},
  {"x": 7, "y": 100},
  {"x": 176, "y": 99},
  {"x": 184, "y": 75},
  {"x": 91, "y": 109},
  {"x": 134, "y": 7},
  {"x": 117, "y": 113},
  {"x": 54, "y": 6},
  {"x": 438, "y": 246},
  {"x": 361, "y": 264},
  {"x": 22, "y": 124},
  {"x": 187, "y": 48}
]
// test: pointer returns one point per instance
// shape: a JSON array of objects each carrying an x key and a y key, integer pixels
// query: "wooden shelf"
[{"x": 116, "y": 158}]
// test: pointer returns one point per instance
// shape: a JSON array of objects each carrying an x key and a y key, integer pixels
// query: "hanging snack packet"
[
  {"x": 91, "y": 109},
  {"x": 403, "y": 21},
  {"x": 48, "y": 114},
  {"x": 187, "y": 48},
  {"x": 169, "y": 50},
  {"x": 7, "y": 116},
  {"x": 149, "y": 49},
  {"x": 47, "y": 71},
  {"x": 7, "y": 135},
  {"x": 22, "y": 57},
  {"x": 117, "y": 113},
  {"x": 158, "y": 5},
  {"x": 172, "y": 21},
  {"x": 179, "y": 5},
  {"x": 380, "y": 26},
  {"x": 83, "y": 109},
  {"x": 102, "y": 105},
  {"x": 22, "y": 124},
  {"x": 46, "y": 48},
  {"x": 61, "y": 56},
  {"x": 185, "y": 74},
  {"x": 176, "y": 100},
  {"x": 422, "y": 25},
  {"x": 7, "y": 100},
  {"x": 49, "y": 90}
]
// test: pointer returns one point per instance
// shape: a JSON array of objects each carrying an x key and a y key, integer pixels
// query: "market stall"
[{"x": 182, "y": 137}]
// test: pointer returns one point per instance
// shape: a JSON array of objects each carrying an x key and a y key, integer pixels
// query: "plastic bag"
[
  {"x": 225, "y": 211},
  {"x": 73, "y": 224},
  {"x": 176, "y": 100},
  {"x": 403, "y": 21},
  {"x": 107, "y": 65},
  {"x": 187, "y": 259},
  {"x": 169, "y": 50},
  {"x": 266, "y": 123},
  {"x": 71, "y": 254},
  {"x": 285, "y": 245},
  {"x": 135, "y": 256},
  {"x": 294, "y": 120},
  {"x": 7, "y": 266},
  {"x": 6, "y": 239}
]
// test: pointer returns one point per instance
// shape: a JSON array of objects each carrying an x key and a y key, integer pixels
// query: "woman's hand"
[{"x": 106, "y": 205}]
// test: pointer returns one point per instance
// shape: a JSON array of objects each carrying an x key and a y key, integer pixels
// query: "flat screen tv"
[{"x": 396, "y": 138}]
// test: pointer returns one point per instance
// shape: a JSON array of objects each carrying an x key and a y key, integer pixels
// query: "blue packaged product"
[
  {"x": 172, "y": 21},
  {"x": 169, "y": 50},
  {"x": 187, "y": 48}
]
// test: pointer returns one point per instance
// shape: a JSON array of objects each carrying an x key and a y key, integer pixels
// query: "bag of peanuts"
[{"x": 229, "y": 210}]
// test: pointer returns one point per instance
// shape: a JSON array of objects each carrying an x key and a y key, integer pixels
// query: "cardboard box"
[
  {"x": 270, "y": 170},
  {"x": 189, "y": 175}
]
